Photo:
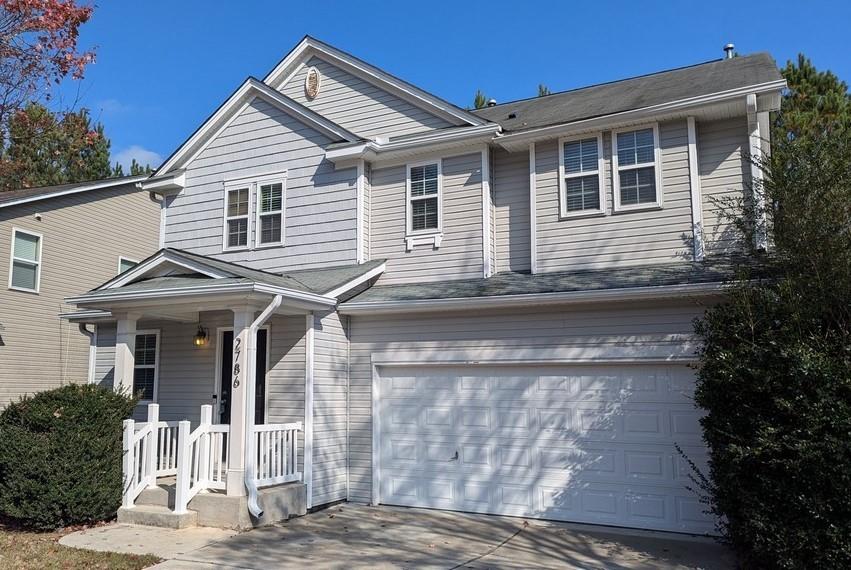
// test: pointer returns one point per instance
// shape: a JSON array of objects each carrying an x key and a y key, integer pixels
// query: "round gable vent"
[{"x": 311, "y": 83}]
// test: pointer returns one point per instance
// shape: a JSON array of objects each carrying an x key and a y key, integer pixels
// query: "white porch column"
[
  {"x": 125, "y": 340},
  {"x": 242, "y": 319}
]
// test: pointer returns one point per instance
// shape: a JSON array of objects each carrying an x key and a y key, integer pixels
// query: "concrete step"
[
  {"x": 152, "y": 515},
  {"x": 160, "y": 496}
]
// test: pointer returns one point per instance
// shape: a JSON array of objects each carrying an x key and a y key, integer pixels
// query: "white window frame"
[
  {"x": 121, "y": 259},
  {"x": 228, "y": 187},
  {"x": 155, "y": 365},
  {"x": 656, "y": 164},
  {"x": 277, "y": 179},
  {"x": 409, "y": 232},
  {"x": 563, "y": 175},
  {"x": 13, "y": 259}
]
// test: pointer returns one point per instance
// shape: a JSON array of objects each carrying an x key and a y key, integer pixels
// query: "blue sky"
[{"x": 163, "y": 67}]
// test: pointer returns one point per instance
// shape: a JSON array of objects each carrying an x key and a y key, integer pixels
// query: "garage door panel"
[{"x": 580, "y": 443}]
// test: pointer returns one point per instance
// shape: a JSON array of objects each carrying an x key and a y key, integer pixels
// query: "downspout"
[
  {"x": 250, "y": 382},
  {"x": 92, "y": 351}
]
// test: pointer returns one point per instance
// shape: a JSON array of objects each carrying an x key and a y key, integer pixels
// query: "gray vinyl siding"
[
  {"x": 460, "y": 254},
  {"x": 330, "y": 403},
  {"x": 620, "y": 331},
  {"x": 358, "y": 105},
  {"x": 511, "y": 204},
  {"x": 83, "y": 236},
  {"x": 105, "y": 356},
  {"x": 321, "y": 202},
  {"x": 624, "y": 238},
  {"x": 724, "y": 170}
]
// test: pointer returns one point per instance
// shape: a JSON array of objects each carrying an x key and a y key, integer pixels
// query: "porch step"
[
  {"x": 152, "y": 515},
  {"x": 159, "y": 496}
]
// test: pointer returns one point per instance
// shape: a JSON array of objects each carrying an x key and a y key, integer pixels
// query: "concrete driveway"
[{"x": 357, "y": 536}]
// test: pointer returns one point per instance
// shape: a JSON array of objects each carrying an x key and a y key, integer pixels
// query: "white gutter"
[
  {"x": 76, "y": 190},
  {"x": 250, "y": 381},
  {"x": 531, "y": 299},
  {"x": 118, "y": 295},
  {"x": 637, "y": 114}
]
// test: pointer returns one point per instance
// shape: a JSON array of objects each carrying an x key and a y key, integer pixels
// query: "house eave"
[
  {"x": 768, "y": 94},
  {"x": 98, "y": 185},
  {"x": 380, "y": 152},
  {"x": 165, "y": 185},
  {"x": 533, "y": 299}
]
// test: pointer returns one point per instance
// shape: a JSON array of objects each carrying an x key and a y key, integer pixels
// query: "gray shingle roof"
[
  {"x": 634, "y": 93},
  {"x": 318, "y": 281},
  {"x": 43, "y": 192},
  {"x": 524, "y": 284}
]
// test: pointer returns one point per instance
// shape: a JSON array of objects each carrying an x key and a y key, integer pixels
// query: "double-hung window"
[
  {"x": 637, "y": 172},
  {"x": 146, "y": 353},
  {"x": 424, "y": 198},
  {"x": 270, "y": 213},
  {"x": 254, "y": 211},
  {"x": 236, "y": 216},
  {"x": 581, "y": 181},
  {"x": 25, "y": 266}
]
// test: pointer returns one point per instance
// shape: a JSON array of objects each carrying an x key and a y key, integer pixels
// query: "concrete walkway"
[{"x": 357, "y": 536}]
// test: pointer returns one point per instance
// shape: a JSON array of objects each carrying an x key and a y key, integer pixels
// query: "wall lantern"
[{"x": 200, "y": 338}]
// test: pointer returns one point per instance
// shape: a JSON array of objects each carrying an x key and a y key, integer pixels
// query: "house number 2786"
[{"x": 237, "y": 350}]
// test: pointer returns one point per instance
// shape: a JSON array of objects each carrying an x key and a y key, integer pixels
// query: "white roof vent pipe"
[
  {"x": 491, "y": 102},
  {"x": 728, "y": 50}
]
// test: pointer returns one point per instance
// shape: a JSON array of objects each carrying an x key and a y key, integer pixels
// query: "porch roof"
[{"x": 173, "y": 275}]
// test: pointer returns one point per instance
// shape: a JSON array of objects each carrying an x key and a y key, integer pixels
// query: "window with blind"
[
  {"x": 25, "y": 273},
  {"x": 581, "y": 181},
  {"x": 145, "y": 353},
  {"x": 270, "y": 213},
  {"x": 424, "y": 187},
  {"x": 636, "y": 167}
]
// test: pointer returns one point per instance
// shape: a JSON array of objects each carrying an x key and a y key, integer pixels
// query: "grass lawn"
[{"x": 41, "y": 550}]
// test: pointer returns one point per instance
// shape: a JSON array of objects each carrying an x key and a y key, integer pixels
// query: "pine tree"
[
  {"x": 136, "y": 169},
  {"x": 543, "y": 90},
  {"x": 480, "y": 100},
  {"x": 46, "y": 148},
  {"x": 816, "y": 102}
]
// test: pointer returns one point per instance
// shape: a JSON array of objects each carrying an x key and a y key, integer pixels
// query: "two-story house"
[
  {"x": 54, "y": 242},
  {"x": 385, "y": 298}
]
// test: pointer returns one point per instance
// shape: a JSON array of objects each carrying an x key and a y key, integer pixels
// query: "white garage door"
[{"x": 583, "y": 443}]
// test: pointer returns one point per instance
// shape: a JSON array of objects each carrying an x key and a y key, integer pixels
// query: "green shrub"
[{"x": 60, "y": 456}]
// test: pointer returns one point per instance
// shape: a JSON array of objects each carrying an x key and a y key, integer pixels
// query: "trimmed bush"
[{"x": 60, "y": 456}]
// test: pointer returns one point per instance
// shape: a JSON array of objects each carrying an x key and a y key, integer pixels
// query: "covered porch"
[{"x": 222, "y": 357}]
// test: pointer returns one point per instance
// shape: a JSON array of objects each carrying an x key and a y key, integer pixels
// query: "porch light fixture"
[{"x": 200, "y": 338}]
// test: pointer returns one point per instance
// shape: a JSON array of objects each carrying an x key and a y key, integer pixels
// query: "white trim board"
[
  {"x": 696, "y": 196},
  {"x": 309, "y": 347},
  {"x": 97, "y": 185}
]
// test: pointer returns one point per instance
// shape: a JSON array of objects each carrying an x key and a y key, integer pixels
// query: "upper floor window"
[
  {"x": 125, "y": 264},
  {"x": 254, "y": 212},
  {"x": 636, "y": 166},
  {"x": 25, "y": 265},
  {"x": 146, "y": 353},
  {"x": 424, "y": 198},
  {"x": 271, "y": 213},
  {"x": 580, "y": 183}
]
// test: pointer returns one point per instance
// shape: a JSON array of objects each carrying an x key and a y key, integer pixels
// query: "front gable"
[{"x": 362, "y": 97}]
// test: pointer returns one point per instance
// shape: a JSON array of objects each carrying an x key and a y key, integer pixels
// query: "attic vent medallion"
[{"x": 311, "y": 83}]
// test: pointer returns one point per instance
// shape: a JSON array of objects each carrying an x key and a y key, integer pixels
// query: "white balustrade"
[
  {"x": 202, "y": 458},
  {"x": 276, "y": 453}
]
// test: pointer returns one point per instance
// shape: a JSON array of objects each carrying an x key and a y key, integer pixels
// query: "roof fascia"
[
  {"x": 513, "y": 141},
  {"x": 231, "y": 109},
  {"x": 165, "y": 185},
  {"x": 76, "y": 190},
  {"x": 284, "y": 70},
  {"x": 533, "y": 299},
  {"x": 360, "y": 279}
]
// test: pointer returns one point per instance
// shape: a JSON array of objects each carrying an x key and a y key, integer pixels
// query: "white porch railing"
[
  {"x": 199, "y": 458},
  {"x": 276, "y": 453},
  {"x": 202, "y": 461}
]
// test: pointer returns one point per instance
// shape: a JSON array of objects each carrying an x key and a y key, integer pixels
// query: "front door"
[{"x": 260, "y": 378}]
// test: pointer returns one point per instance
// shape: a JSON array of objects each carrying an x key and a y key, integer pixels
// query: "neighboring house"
[
  {"x": 486, "y": 311},
  {"x": 55, "y": 241}
]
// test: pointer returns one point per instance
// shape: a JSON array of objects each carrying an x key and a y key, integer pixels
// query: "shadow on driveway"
[{"x": 357, "y": 536}]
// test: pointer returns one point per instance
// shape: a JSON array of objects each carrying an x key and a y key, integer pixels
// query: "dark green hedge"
[{"x": 60, "y": 456}]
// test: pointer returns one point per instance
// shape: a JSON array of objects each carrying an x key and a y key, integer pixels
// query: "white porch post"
[
  {"x": 124, "y": 358},
  {"x": 242, "y": 319}
]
